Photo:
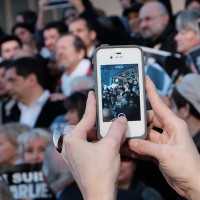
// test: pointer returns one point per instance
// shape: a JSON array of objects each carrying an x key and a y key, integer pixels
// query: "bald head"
[
  {"x": 155, "y": 7},
  {"x": 154, "y": 18}
]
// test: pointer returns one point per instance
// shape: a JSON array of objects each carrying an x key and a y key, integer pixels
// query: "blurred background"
[{"x": 9, "y": 9}]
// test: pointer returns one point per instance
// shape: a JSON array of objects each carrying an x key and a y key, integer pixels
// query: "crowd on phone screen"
[
  {"x": 46, "y": 72},
  {"x": 121, "y": 97}
]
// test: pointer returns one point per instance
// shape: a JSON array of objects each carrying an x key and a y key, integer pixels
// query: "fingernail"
[
  {"x": 90, "y": 93},
  {"x": 122, "y": 119}
]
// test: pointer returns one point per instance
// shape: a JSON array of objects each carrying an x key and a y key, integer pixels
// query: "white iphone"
[{"x": 119, "y": 74}]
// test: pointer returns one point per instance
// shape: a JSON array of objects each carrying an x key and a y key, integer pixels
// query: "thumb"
[
  {"x": 89, "y": 117},
  {"x": 144, "y": 148},
  {"x": 117, "y": 131}
]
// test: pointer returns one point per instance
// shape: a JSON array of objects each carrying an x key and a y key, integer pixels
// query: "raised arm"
[
  {"x": 95, "y": 166},
  {"x": 41, "y": 14}
]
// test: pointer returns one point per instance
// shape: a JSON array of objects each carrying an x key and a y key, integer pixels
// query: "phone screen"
[{"x": 120, "y": 92}]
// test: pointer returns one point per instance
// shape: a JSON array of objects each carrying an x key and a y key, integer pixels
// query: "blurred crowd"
[{"x": 46, "y": 72}]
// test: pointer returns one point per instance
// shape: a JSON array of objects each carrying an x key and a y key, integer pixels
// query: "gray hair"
[
  {"x": 82, "y": 83},
  {"x": 188, "y": 20},
  {"x": 55, "y": 169},
  {"x": 31, "y": 134},
  {"x": 12, "y": 131}
]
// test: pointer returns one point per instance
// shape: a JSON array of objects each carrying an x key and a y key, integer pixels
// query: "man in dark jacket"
[
  {"x": 155, "y": 26},
  {"x": 25, "y": 83}
]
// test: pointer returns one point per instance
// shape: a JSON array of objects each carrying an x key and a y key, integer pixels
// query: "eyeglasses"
[{"x": 148, "y": 18}]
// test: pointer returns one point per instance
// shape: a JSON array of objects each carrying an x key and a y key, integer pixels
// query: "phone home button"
[{"x": 121, "y": 114}]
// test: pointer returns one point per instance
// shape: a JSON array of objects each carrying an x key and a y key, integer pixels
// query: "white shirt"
[
  {"x": 91, "y": 52},
  {"x": 29, "y": 114},
  {"x": 66, "y": 80}
]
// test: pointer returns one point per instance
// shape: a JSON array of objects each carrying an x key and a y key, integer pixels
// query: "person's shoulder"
[{"x": 54, "y": 106}]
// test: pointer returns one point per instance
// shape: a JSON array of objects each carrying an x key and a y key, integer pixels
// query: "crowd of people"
[
  {"x": 121, "y": 97},
  {"x": 46, "y": 73}
]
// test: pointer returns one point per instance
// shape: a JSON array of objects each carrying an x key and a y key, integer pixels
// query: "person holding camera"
[{"x": 170, "y": 150}]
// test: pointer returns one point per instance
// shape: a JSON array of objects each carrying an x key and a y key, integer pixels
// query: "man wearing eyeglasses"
[{"x": 155, "y": 27}]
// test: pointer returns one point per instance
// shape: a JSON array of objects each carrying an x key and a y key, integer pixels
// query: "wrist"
[
  {"x": 100, "y": 191},
  {"x": 193, "y": 192},
  {"x": 41, "y": 11}
]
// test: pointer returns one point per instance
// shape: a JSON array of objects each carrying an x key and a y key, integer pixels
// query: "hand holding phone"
[{"x": 119, "y": 89}]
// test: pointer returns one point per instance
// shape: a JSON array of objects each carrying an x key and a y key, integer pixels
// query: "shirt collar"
[
  {"x": 41, "y": 100},
  {"x": 81, "y": 69}
]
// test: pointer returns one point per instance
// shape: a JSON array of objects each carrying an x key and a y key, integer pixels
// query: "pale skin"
[
  {"x": 41, "y": 13},
  {"x": 77, "y": 143},
  {"x": 186, "y": 40},
  {"x": 24, "y": 89},
  {"x": 80, "y": 29},
  {"x": 78, "y": 5},
  {"x": 173, "y": 151},
  {"x": 34, "y": 150},
  {"x": 9, "y": 48},
  {"x": 153, "y": 20}
]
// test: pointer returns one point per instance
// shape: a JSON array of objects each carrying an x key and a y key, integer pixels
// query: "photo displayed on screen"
[{"x": 120, "y": 92}]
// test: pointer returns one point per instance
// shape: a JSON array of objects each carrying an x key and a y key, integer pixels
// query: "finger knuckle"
[
  {"x": 110, "y": 142},
  {"x": 68, "y": 141},
  {"x": 141, "y": 147}
]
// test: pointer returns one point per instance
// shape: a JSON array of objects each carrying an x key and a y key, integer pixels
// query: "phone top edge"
[{"x": 103, "y": 46}]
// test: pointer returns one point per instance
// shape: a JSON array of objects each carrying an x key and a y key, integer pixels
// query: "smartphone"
[
  {"x": 55, "y": 4},
  {"x": 119, "y": 88}
]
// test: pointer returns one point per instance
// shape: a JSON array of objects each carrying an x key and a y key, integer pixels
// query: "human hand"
[
  {"x": 95, "y": 166},
  {"x": 173, "y": 150},
  {"x": 57, "y": 97},
  {"x": 42, "y": 4},
  {"x": 78, "y": 5}
]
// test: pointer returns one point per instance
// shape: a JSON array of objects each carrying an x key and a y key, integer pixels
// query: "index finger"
[
  {"x": 156, "y": 102},
  {"x": 87, "y": 122}
]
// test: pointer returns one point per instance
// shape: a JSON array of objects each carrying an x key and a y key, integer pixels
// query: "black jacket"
[
  {"x": 48, "y": 113},
  {"x": 71, "y": 192},
  {"x": 166, "y": 40}
]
